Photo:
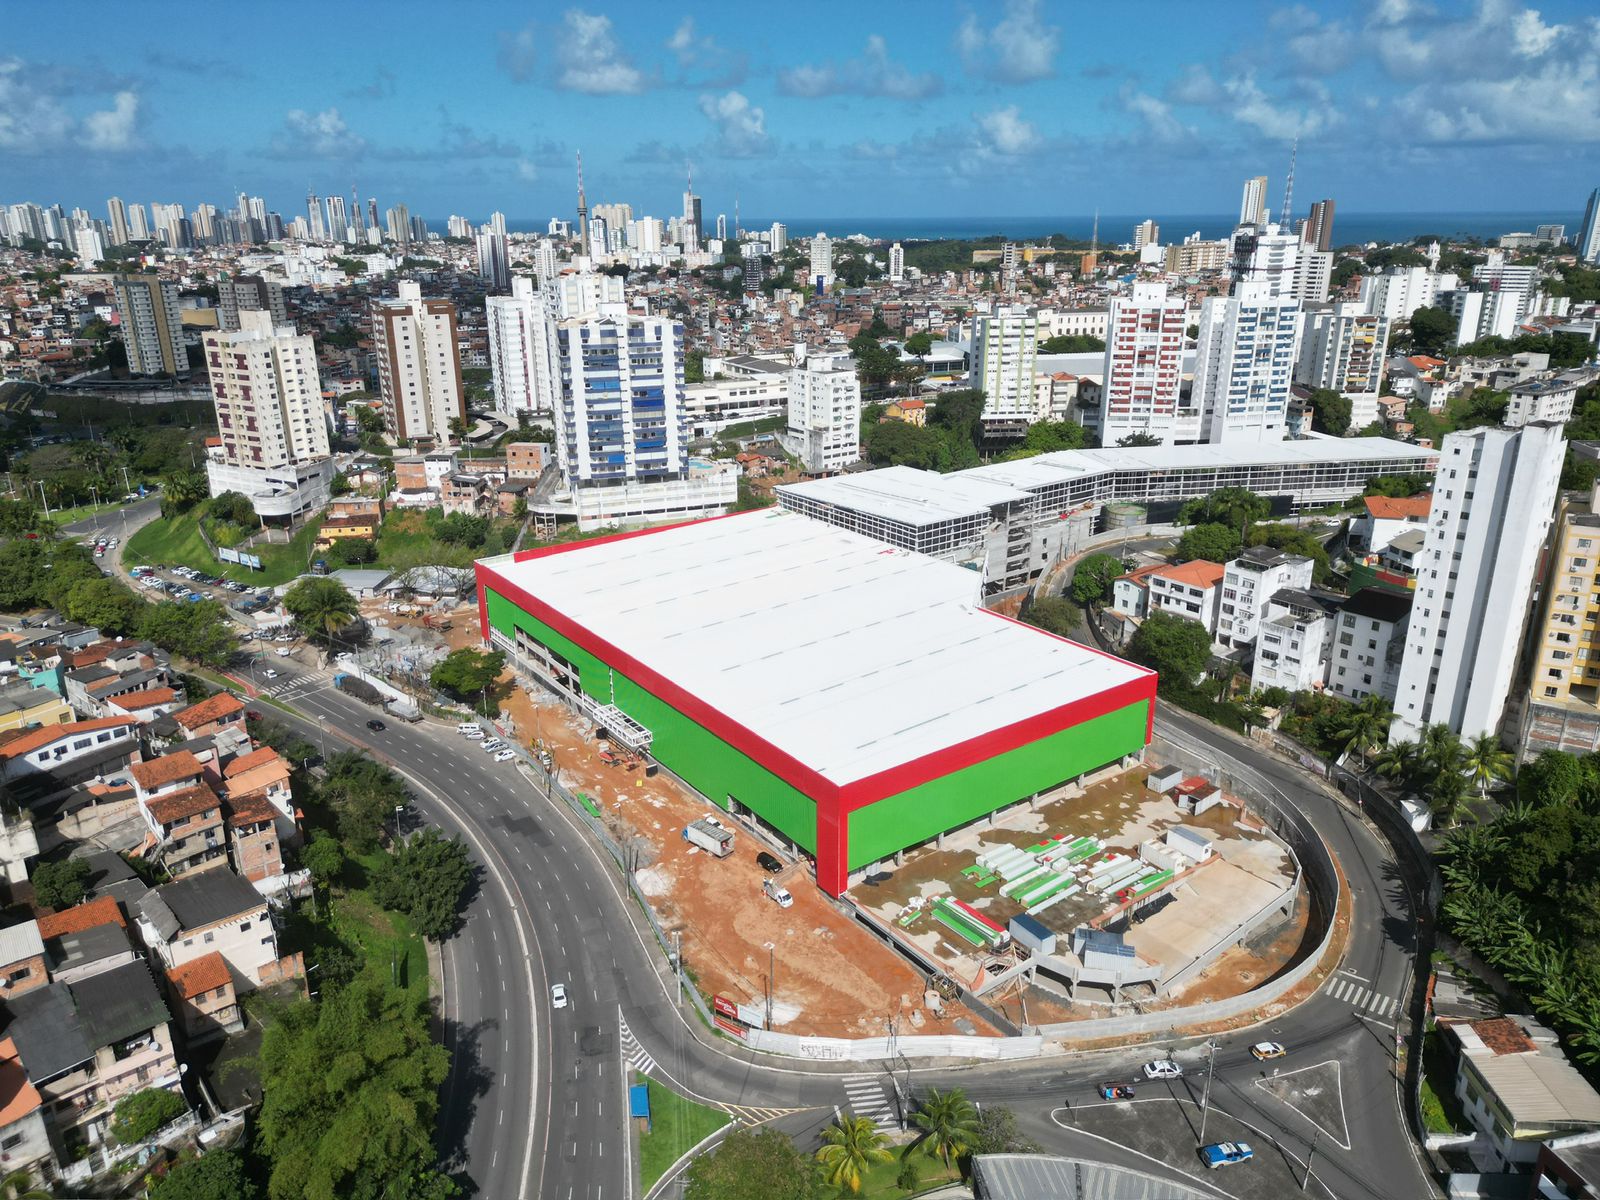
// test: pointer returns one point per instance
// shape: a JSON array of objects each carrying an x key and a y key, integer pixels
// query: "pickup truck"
[{"x": 1225, "y": 1154}]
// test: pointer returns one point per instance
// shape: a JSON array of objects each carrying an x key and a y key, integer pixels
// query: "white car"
[
  {"x": 504, "y": 755},
  {"x": 270, "y": 673},
  {"x": 284, "y": 652},
  {"x": 558, "y": 996},
  {"x": 475, "y": 735},
  {"x": 1162, "y": 1068},
  {"x": 492, "y": 744}
]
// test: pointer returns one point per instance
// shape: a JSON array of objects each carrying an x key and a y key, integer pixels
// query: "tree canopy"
[
  {"x": 1071, "y": 343},
  {"x": 215, "y": 1175},
  {"x": 1432, "y": 331},
  {"x": 1046, "y": 436},
  {"x": 362, "y": 795},
  {"x": 751, "y": 1163},
  {"x": 60, "y": 884},
  {"x": 322, "y": 607},
  {"x": 426, "y": 878},
  {"x": 467, "y": 673},
  {"x": 1208, "y": 542},
  {"x": 139, "y": 1114},
  {"x": 1330, "y": 411},
  {"x": 1091, "y": 580},
  {"x": 199, "y": 632},
  {"x": 1176, "y": 649},
  {"x": 1232, "y": 506},
  {"x": 1397, "y": 485}
]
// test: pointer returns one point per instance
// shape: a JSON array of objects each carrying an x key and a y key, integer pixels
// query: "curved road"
[{"x": 535, "y": 1104}]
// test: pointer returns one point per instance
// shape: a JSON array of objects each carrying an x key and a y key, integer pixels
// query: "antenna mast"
[
  {"x": 1288, "y": 186},
  {"x": 1094, "y": 238},
  {"x": 583, "y": 210}
]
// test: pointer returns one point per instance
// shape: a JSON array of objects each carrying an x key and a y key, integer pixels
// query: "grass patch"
[
  {"x": 677, "y": 1125},
  {"x": 751, "y": 428},
  {"x": 879, "y": 1181},
  {"x": 176, "y": 541},
  {"x": 1441, "y": 1110}
]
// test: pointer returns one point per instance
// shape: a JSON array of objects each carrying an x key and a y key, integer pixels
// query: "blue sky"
[{"x": 1011, "y": 107}]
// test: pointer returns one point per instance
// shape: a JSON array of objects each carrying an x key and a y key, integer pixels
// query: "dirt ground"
[{"x": 829, "y": 976}]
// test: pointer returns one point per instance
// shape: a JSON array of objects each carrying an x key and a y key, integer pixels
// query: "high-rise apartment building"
[
  {"x": 546, "y": 265},
  {"x": 579, "y": 293},
  {"x": 1146, "y": 233},
  {"x": 897, "y": 263},
  {"x": 824, "y": 428},
  {"x": 778, "y": 237},
  {"x": 88, "y": 244},
  {"x": 1143, "y": 372},
  {"x": 1343, "y": 347},
  {"x": 1563, "y": 709},
  {"x": 1318, "y": 231},
  {"x": 138, "y": 226},
  {"x": 1313, "y": 275},
  {"x": 693, "y": 223},
  {"x": 497, "y": 222},
  {"x": 722, "y": 227},
  {"x": 1268, "y": 256},
  {"x": 1005, "y": 345},
  {"x": 494, "y": 259},
  {"x": 1399, "y": 292},
  {"x": 118, "y": 212},
  {"x": 314, "y": 218},
  {"x": 1589, "y": 231},
  {"x": 522, "y": 354},
  {"x": 398, "y": 222},
  {"x": 1244, "y": 366},
  {"x": 152, "y": 325},
  {"x": 1253, "y": 206},
  {"x": 750, "y": 252},
  {"x": 338, "y": 223},
  {"x": 821, "y": 276},
  {"x": 238, "y": 293},
  {"x": 419, "y": 369},
  {"x": 1493, "y": 502}
]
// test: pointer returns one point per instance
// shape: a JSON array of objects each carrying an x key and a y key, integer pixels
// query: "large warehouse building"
[{"x": 855, "y": 698}]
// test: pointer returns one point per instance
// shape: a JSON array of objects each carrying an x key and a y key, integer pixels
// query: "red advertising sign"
[
  {"x": 725, "y": 1007},
  {"x": 733, "y": 1027}
]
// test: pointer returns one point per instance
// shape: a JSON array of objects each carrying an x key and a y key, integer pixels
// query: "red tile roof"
[
  {"x": 34, "y": 739},
  {"x": 200, "y": 975},
  {"x": 216, "y": 708},
  {"x": 248, "y": 762},
  {"x": 102, "y": 911},
  {"x": 1195, "y": 573},
  {"x": 148, "y": 698},
  {"x": 1399, "y": 508},
  {"x": 254, "y": 809},
  {"x": 175, "y": 806},
  {"x": 169, "y": 768},
  {"x": 1501, "y": 1035}
]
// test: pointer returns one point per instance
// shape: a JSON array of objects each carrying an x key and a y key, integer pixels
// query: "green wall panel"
[
  {"x": 913, "y": 816},
  {"x": 682, "y": 745}
]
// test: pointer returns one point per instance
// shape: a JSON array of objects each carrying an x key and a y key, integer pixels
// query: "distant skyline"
[{"x": 950, "y": 110}]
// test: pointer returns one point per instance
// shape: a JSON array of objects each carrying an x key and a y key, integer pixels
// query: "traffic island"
[{"x": 674, "y": 1126}]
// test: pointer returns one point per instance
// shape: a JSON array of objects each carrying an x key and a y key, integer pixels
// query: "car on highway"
[
  {"x": 1162, "y": 1068},
  {"x": 269, "y": 673},
  {"x": 1116, "y": 1091},
  {"x": 1225, "y": 1154},
  {"x": 504, "y": 755},
  {"x": 376, "y": 725},
  {"x": 1262, "y": 1051},
  {"x": 558, "y": 996},
  {"x": 769, "y": 862}
]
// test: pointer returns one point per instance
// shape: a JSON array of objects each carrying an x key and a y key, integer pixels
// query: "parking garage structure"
[{"x": 853, "y": 699}]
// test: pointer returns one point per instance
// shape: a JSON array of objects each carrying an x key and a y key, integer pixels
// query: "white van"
[
  {"x": 467, "y": 727},
  {"x": 778, "y": 893}
]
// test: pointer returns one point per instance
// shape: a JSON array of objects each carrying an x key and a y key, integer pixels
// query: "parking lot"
[{"x": 185, "y": 583}]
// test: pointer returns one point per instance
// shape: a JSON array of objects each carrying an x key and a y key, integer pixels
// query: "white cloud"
[
  {"x": 873, "y": 74},
  {"x": 1194, "y": 85},
  {"x": 1006, "y": 133},
  {"x": 31, "y": 118},
  {"x": 1020, "y": 47},
  {"x": 683, "y": 42},
  {"x": 741, "y": 126},
  {"x": 1318, "y": 47},
  {"x": 316, "y": 135},
  {"x": 527, "y": 171},
  {"x": 519, "y": 53},
  {"x": 113, "y": 129},
  {"x": 1156, "y": 114},
  {"x": 590, "y": 59}
]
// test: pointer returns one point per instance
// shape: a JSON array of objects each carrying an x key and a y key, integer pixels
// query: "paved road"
[{"x": 534, "y": 1106}]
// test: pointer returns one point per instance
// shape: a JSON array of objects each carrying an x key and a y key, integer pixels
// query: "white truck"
[{"x": 710, "y": 837}]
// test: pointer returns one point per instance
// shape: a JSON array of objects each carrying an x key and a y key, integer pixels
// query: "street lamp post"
[
  {"x": 398, "y": 809},
  {"x": 1205, "y": 1098}
]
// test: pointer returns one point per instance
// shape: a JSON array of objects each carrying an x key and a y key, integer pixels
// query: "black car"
[
  {"x": 376, "y": 726},
  {"x": 770, "y": 863}
]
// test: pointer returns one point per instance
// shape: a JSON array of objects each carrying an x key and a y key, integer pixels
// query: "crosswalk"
[
  {"x": 292, "y": 689},
  {"x": 633, "y": 1053},
  {"x": 1357, "y": 995},
  {"x": 868, "y": 1099},
  {"x": 747, "y": 1114}
]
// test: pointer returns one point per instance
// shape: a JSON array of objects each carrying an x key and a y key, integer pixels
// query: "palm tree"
[
  {"x": 1488, "y": 762},
  {"x": 1399, "y": 763},
  {"x": 949, "y": 1123},
  {"x": 321, "y": 607},
  {"x": 849, "y": 1146},
  {"x": 182, "y": 489},
  {"x": 1364, "y": 726}
]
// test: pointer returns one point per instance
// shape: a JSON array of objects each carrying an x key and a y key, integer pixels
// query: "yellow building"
[
  {"x": 1563, "y": 709},
  {"x": 912, "y": 412},
  {"x": 24, "y": 707}
]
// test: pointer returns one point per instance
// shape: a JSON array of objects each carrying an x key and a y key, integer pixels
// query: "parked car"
[
  {"x": 504, "y": 755},
  {"x": 1268, "y": 1050},
  {"x": 558, "y": 996},
  {"x": 1116, "y": 1091},
  {"x": 1162, "y": 1068},
  {"x": 283, "y": 652},
  {"x": 376, "y": 725},
  {"x": 778, "y": 894},
  {"x": 769, "y": 862},
  {"x": 468, "y": 727},
  {"x": 1225, "y": 1154},
  {"x": 475, "y": 735},
  {"x": 490, "y": 745}
]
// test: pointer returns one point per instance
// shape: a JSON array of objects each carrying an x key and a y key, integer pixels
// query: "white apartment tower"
[
  {"x": 1005, "y": 344},
  {"x": 494, "y": 259},
  {"x": 1398, "y": 293},
  {"x": 1253, "y": 206},
  {"x": 1589, "y": 231},
  {"x": 778, "y": 237},
  {"x": 1146, "y": 233},
  {"x": 1143, "y": 374},
  {"x": 580, "y": 293},
  {"x": 152, "y": 325},
  {"x": 1493, "y": 502},
  {"x": 1343, "y": 347},
  {"x": 419, "y": 370},
  {"x": 522, "y": 351},
  {"x": 821, "y": 262},
  {"x": 824, "y": 412},
  {"x": 897, "y": 263},
  {"x": 118, "y": 212},
  {"x": 268, "y": 393},
  {"x": 1244, "y": 366},
  {"x": 546, "y": 264}
]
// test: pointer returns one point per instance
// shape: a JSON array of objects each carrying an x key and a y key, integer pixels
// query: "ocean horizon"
[{"x": 1353, "y": 228}]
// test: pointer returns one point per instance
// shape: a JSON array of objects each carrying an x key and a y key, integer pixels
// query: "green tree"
[
  {"x": 1331, "y": 411},
  {"x": 1556, "y": 777},
  {"x": 350, "y": 1093},
  {"x": 353, "y": 551},
  {"x": 22, "y": 567},
  {"x": 896, "y": 443},
  {"x": 461, "y": 529},
  {"x": 1052, "y": 614},
  {"x": 138, "y": 1115},
  {"x": 997, "y": 1133},
  {"x": 468, "y": 673},
  {"x": 60, "y": 884},
  {"x": 1139, "y": 439},
  {"x": 105, "y": 604},
  {"x": 215, "y": 1175},
  {"x": 694, "y": 367},
  {"x": 1431, "y": 331},
  {"x": 199, "y": 632},
  {"x": 850, "y": 1146},
  {"x": 1293, "y": 540},
  {"x": 322, "y": 607},
  {"x": 458, "y": 428},
  {"x": 754, "y": 1164},
  {"x": 324, "y": 858},
  {"x": 1176, "y": 649},
  {"x": 233, "y": 507},
  {"x": 426, "y": 878},
  {"x": 1399, "y": 762},
  {"x": 1486, "y": 762},
  {"x": 1071, "y": 343},
  {"x": 1234, "y": 507},
  {"x": 363, "y": 796},
  {"x": 1044, "y": 437},
  {"x": 1092, "y": 579},
  {"x": 1364, "y": 726},
  {"x": 949, "y": 1124},
  {"x": 181, "y": 490},
  {"x": 919, "y": 344},
  {"x": 1211, "y": 543},
  {"x": 1398, "y": 486}
]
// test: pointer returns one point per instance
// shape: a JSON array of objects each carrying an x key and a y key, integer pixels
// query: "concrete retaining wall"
[{"x": 876, "y": 1049}]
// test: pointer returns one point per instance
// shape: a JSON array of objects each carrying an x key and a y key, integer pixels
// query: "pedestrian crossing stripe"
[
  {"x": 1359, "y": 996},
  {"x": 633, "y": 1053},
  {"x": 866, "y": 1098}
]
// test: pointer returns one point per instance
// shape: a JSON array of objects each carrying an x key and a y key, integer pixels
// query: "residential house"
[
  {"x": 24, "y": 706},
  {"x": 85, "y": 1045},
  {"x": 466, "y": 493},
  {"x": 1397, "y": 562},
  {"x": 22, "y": 959},
  {"x": 148, "y": 705},
  {"x": 86, "y": 939},
  {"x": 526, "y": 460},
  {"x": 213, "y": 910},
  {"x": 24, "y": 1137},
  {"x": 1568, "y": 1167},
  {"x": 1296, "y": 633},
  {"x": 1188, "y": 590},
  {"x": 204, "y": 999},
  {"x": 1368, "y": 645},
  {"x": 40, "y": 764},
  {"x": 1517, "y": 1088},
  {"x": 174, "y": 771},
  {"x": 1385, "y": 518},
  {"x": 263, "y": 773},
  {"x": 19, "y": 842},
  {"x": 1252, "y": 579},
  {"x": 220, "y": 716},
  {"x": 508, "y": 495},
  {"x": 186, "y": 831},
  {"x": 92, "y": 690},
  {"x": 1130, "y": 593},
  {"x": 912, "y": 412},
  {"x": 253, "y": 840}
]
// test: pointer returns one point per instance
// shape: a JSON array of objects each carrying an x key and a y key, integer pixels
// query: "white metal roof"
[
  {"x": 849, "y": 655},
  {"x": 909, "y": 495}
]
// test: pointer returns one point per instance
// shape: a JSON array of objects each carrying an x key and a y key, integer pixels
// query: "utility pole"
[
  {"x": 677, "y": 962},
  {"x": 1312, "y": 1153},
  {"x": 43, "y": 497},
  {"x": 771, "y": 980},
  {"x": 1205, "y": 1098}
]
